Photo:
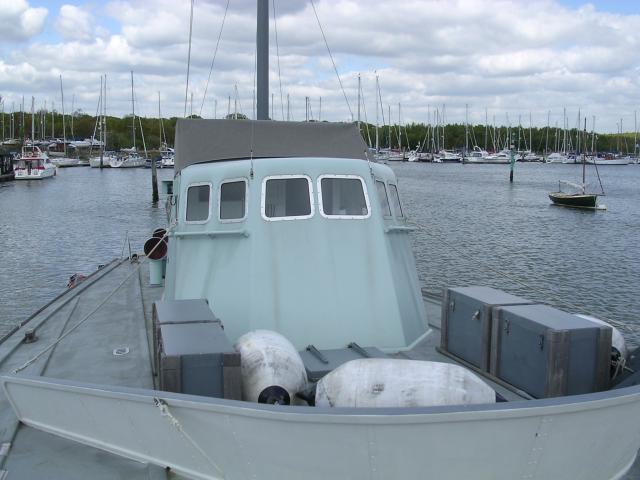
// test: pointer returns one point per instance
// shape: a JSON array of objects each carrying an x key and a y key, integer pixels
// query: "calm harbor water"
[{"x": 473, "y": 228}]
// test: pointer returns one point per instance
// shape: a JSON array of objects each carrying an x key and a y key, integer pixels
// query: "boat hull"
[
  {"x": 563, "y": 438},
  {"x": 575, "y": 201},
  {"x": 23, "y": 174}
]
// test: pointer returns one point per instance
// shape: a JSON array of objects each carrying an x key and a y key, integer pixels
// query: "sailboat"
[
  {"x": 579, "y": 198},
  {"x": 326, "y": 367},
  {"x": 129, "y": 157}
]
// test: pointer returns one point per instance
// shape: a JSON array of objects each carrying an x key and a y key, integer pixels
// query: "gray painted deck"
[{"x": 86, "y": 355}]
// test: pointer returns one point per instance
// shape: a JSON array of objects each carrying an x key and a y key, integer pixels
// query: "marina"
[{"x": 252, "y": 298}]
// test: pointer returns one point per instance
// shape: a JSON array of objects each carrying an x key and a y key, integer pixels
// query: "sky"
[{"x": 509, "y": 61}]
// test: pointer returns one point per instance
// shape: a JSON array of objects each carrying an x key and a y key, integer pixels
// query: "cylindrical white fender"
[
  {"x": 382, "y": 382},
  {"x": 272, "y": 370},
  {"x": 617, "y": 340}
]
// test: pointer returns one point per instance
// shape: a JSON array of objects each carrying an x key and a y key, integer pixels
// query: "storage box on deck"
[
  {"x": 547, "y": 353},
  {"x": 466, "y": 322},
  {"x": 168, "y": 312},
  {"x": 198, "y": 359},
  {"x": 318, "y": 363}
]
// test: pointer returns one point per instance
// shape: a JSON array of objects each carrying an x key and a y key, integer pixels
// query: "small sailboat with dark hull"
[{"x": 579, "y": 197}]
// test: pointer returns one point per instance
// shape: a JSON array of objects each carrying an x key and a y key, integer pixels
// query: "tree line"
[{"x": 147, "y": 131}]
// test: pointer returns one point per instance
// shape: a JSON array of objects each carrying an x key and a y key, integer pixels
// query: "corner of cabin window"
[
  {"x": 395, "y": 200},
  {"x": 286, "y": 197},
  {"x": 198, "y": 203},
  {"x": 385, "y": 207},
  {"x": 232, "y": 204},
  {"x": 343, "y": 197}
]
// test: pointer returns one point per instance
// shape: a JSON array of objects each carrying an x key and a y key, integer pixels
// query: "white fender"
[
  {"x": 272, "y": 370},
  {"x": 617, "y": 340},
  {"x": 381, "y": 382}
]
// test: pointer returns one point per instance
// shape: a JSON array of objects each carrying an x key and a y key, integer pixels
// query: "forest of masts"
[{"x": 433, "y": 136}]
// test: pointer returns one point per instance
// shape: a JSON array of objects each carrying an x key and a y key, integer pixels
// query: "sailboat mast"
[
  {"x": 262, "y": 60},
  {"x": 377, "y": 116},
  {"x": 133, "y": 111},
  {"x": 359, "y": 87},
  {"x": 584, "y": 159},
  {"x": 32, "y": 120},
  {"x": 64, "y": 130}
]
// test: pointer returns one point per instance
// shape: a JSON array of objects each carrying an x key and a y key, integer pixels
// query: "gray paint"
[
  {"x": 547, "y": 352},
  {"x": 262, "y": 61},
  {"x": 466, "y": 321},
  {"x": 201, "y": 141},
  {"x": 317, "y": 369},
  {"x": 195, "y": 357}
]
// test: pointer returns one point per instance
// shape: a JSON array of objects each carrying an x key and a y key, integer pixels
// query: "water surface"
[{"x": 474, "y": 228}]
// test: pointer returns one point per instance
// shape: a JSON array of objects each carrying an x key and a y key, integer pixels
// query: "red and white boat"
[{"x": 33, "y": 164}]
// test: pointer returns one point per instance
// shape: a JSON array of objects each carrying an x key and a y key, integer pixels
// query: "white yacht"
[
  {"x": 131, "y": 160},
  {"x": 478, "y": 155},
  {"x": 502, "y": 157},
  {"x": 610, "y": 160},
  {"x": 556, "y": 157},
  {"x": 447, "y": 156},
  {"x": 33, "y": 164}
]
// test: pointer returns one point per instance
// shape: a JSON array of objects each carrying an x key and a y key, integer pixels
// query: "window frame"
[
  {"x": 186, "y": 203},
  {"x": 263, "y": 197},
  {"x": 246, "y": 200},
  {"x": 343, "y": 217},
  {"x": 395, "y": 214},
  {"x": 386, "y": 192}
]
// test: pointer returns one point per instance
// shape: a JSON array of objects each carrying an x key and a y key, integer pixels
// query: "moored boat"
[{"x": 33, "y": 164}]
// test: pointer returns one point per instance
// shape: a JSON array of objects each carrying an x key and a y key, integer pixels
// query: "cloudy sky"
[{"x": 505, "y": 57}]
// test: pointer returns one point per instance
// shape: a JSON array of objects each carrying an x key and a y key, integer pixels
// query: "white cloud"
[
  {"x": 510, "y": 56},
  {"x": 18, "y": 21},
  {"x": 74, "y": 23}
]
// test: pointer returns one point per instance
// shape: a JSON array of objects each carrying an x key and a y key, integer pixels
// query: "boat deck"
[{"x": 110, "y": 347}]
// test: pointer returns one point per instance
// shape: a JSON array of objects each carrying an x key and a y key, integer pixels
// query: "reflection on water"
[{"x": 474, "y": 228}]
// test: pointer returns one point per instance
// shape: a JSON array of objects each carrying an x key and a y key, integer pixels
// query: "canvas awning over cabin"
[{"x": 199, "y": 141}]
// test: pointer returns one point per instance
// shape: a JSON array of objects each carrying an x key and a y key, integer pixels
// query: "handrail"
[{"x": 212, "y": 234}]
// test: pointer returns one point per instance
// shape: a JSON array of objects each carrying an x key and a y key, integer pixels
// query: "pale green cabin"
[{"x": 305, "y": 237}]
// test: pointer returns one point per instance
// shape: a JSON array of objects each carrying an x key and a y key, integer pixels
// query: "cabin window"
[
  {"x": 395, "y": 200},
  {"x": 384, "y": 199},
  {"x": 342, "y": 196},
  {"x": 198, "y": 202},
  {"x": 286, "y": 197},
  {"x": 233, "y": 195}
]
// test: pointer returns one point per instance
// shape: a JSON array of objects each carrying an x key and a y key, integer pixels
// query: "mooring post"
[{"x": 512, "y": 163}]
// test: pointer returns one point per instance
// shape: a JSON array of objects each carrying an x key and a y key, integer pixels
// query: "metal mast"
[
  {"x": 133, "y": 111},
  {"x": 262, "y": 63}
]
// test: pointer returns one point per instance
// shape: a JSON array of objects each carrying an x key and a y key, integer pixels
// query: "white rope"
[
  {"x": 175, "y": 423},
  {"x": 275, "y": 29},
  {"x": 213, "y": 61},
  {"x": 88, "y": 315},
  {"x": 186, "y": 90},
  {"x": 556, "y": 299},
  {"x": 332, "y": 61}
]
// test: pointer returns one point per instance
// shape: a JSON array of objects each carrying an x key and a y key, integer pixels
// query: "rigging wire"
[
  {"x": 186, "y": 90},
  {"x": 332, "y": 61},
  {"x": 364, "y": 111},
  {"x": 213, "y": 60},
  {"x": 275, "y": 29}
]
